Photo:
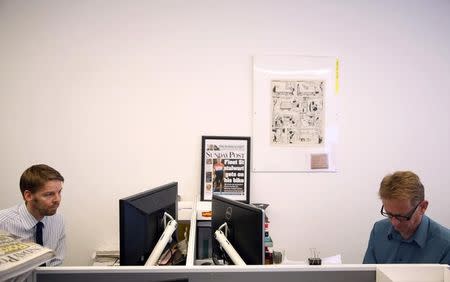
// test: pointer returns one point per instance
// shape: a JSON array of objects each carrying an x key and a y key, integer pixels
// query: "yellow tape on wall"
[{"x": 337, "y": 76}]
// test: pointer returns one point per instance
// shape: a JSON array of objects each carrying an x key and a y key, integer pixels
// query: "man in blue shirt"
[{"x": 407, "y": 235}]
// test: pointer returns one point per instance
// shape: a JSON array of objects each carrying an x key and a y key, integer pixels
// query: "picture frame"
[
  {"x": 295, "y": 114},
  {"x": 225, "y": 168}
]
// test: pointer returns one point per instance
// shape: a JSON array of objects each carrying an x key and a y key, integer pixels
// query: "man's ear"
[
  {"x": 28, "y": 196},
  {"x": 423, "y": 206}
]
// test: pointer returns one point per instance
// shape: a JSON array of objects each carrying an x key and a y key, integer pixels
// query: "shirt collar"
[
  {"x": 422, "y": 232},
  {"x": 420, "y": 236},
  {"x": 29, "y": 221}
]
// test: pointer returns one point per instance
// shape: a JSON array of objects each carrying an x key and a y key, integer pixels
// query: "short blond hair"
[{"x": 402, "y": 185}]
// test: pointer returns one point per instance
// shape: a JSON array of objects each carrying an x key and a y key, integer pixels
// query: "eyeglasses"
[{"x": 398, "y": 216}]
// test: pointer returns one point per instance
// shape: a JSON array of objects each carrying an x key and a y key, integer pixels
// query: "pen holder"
[{"x": 314, "y": 261}]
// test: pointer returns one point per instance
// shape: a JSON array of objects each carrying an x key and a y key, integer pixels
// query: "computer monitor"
[
  {"x": 141, "y": 221},
  {"x": 245, "y": 230}
]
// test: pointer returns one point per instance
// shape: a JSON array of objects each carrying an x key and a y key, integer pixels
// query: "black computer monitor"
[
  {"x": 141, "y": 221},
  {"x": 245, "y": 230}
]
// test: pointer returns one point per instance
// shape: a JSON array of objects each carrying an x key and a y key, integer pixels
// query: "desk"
[
  {"x": 413, "y": 273},
  {"x": 268, "y": 273}
]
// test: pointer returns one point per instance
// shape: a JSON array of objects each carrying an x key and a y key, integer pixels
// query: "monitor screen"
[
  {"x": 245, "y": 230},
  {"x": 141, "y": 221}
]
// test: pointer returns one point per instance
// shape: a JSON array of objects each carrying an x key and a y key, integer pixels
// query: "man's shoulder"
[
  {"x": 382, "y": 225},
  {"x": 9, "y": 213},
  {"x": 9, "y": 218},
  {"x": 439, "y": 231}
]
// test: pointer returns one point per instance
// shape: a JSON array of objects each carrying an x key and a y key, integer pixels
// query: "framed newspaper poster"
[
  {"x": 295, "y": 113},
  {"x": 225, "y": 167}
]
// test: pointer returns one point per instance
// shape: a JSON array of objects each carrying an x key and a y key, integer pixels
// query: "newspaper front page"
[
  {"x": 226, "y": 169},
  {"x": 18, "y": 258}
]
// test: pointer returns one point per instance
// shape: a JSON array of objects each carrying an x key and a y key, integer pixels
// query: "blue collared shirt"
[{"x": 429, "y": 244}]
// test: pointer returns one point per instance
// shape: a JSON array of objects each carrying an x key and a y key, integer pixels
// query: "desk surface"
[{"x": 268, "y": 273}]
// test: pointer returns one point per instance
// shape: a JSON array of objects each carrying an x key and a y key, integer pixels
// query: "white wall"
[{"x": 117, "y": 94}]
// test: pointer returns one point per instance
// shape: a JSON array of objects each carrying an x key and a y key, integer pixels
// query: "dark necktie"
[{"x": 39, "y": 240}]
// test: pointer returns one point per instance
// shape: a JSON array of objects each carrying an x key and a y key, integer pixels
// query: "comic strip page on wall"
[{"x": 298, "y": 112}]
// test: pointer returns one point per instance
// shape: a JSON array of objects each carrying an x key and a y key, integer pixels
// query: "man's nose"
[
  {"x": 394, "y": 221},
  {"x": 57, "y": 198}
]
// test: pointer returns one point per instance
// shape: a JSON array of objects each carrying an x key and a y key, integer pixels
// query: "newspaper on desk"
[
  {"x": 106, "y": 258},
  {"x": 17, "y": 258}
]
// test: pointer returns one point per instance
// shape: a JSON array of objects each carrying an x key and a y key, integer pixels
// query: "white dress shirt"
[{"x": 18, "y": 221}]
